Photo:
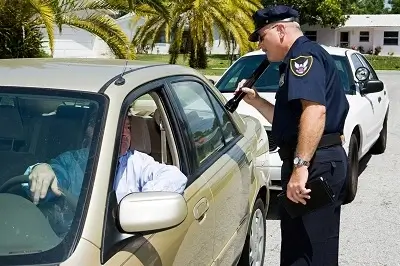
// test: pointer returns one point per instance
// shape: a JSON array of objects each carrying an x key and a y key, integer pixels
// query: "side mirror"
[
  {"x": 150, "y": 211},
  {"x": 362, "y": 74},
  {"x": 212, "y": 81},
  {"x": 372, "y": 86}
]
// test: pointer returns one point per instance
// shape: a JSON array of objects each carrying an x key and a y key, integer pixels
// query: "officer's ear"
[{"x": 281, "y": 30}]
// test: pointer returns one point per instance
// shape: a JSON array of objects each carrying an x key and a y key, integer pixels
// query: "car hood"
[{"x": 247, "y": 109}]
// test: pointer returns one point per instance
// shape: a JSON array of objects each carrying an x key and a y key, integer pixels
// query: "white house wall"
[
  {"x": 331, "y": 37},
  {"x": 71, "y": 42}
]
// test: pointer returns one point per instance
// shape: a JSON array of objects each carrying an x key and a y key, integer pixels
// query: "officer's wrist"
[{"x": 300, "y": 169}]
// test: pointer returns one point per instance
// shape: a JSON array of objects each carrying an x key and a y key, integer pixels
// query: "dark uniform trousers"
[{"x": 313, "y": 239}]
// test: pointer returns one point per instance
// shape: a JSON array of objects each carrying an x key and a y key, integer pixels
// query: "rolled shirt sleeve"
[{"x": 143, "y": 174}]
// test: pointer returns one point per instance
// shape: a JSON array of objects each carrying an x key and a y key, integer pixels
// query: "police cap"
[{"x": 265, "y": 16}]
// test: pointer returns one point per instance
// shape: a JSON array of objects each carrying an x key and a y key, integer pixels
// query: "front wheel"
[
  {"x": 254, "y": 248},
  {"x": 352, "y": 171},
  {"x": 380, "y": 145}
]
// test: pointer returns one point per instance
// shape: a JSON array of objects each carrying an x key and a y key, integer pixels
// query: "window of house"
[
  {"x": 364, "y": 36},
  {"x": 391, "y": 38},
  {"x": 312, "y": 35}
]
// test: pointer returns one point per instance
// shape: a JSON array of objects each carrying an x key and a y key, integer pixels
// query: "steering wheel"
[{"x": 20, "y": 179}]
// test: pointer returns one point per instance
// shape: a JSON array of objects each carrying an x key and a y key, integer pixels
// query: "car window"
[
  {"x": 356, "y": 61},
  {"x": 201, "y": 119},
  {"x": 344, "y": 70},
  {"x": 45, "y": 126},
  {"x": 243, "y": 68},
  {"x": 228, "y": 129},
  {"x": 368, "y": 65},
  {"x": 269, "y": 80}
]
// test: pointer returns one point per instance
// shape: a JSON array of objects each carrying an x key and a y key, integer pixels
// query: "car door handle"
[
  {"x": 379, "y": 99},
  {"x": 201, "y": 208}
]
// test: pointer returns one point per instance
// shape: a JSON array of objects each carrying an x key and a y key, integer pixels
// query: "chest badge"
[
  {"x": 282, "y": 80},
  {"x": 300, "y": 66}
]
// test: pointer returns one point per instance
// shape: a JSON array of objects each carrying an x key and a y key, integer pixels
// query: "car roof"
[
  {"x": 83, "y": 74},
  {"x": 330, "y": 49}
]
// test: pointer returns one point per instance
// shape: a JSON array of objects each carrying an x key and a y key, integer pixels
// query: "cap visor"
[{"x": 254, "y": 36}]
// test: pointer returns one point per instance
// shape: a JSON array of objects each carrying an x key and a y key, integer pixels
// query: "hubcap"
[{"x": 257, "y": 239}]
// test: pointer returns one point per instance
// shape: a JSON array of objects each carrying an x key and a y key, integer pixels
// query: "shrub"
[{"x": 19, "y": 37}]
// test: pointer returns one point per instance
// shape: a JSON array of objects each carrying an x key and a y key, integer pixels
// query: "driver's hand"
[{"x": 41, "y": 178}]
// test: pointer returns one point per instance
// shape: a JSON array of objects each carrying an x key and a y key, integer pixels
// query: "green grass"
[
  {"x": 217, "y": 64},
  {"x": 380, "y": 62}
]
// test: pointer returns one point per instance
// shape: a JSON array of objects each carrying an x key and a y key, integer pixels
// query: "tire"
[
  {"x": 352, "y": 171},
  {"x": 249, "y": 256},
  {"x": 380, "y": 145}
]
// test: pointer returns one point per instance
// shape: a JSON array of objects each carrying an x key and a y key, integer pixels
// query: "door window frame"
[
  {"x": 197, "y": 170},
  {"x": 113, "y": 240},
  {"x": 365, "y": 62}
]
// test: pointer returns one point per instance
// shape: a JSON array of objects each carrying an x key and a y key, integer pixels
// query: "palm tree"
[
  {"x": 94, "y": 16},
  {"x": 192, "y": 23}
]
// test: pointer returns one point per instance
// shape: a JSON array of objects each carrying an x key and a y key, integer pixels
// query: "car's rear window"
[
  {"x": 60, "y": 128},
  {"x": 269, "y": 80}
]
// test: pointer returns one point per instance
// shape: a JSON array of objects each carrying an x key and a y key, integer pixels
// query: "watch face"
[{"x": 296, "y": 160}]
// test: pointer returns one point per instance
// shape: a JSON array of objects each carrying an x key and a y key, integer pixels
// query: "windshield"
[
  {"x": 269, "y": 80},
  {"x": 60, "y": 128}
]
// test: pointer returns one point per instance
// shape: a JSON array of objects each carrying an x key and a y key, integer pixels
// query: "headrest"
[
  {"x": 11, "y": 122},
  {"x": 140, "y": 134},
  {"x": 157, "y": 117}
]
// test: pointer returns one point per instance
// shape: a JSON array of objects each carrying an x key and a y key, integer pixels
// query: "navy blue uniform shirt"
[{"x": 307, "y": 72}]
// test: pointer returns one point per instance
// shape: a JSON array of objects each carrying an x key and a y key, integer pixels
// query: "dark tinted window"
[{"x": 269, "y": 80}]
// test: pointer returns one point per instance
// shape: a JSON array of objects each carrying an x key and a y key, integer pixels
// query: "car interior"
[
  {"x": 38, "y": 131},
  {"x": 151, "y": 133}
]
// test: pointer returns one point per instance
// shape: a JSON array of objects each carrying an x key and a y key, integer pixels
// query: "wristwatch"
[{"x": 298, "y": 162}]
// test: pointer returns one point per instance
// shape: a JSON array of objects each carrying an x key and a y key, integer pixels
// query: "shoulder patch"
[{"x": 301, "y": 65}]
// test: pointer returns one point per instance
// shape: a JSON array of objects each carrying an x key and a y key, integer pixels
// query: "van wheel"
[
  {"x": 254, "y": 248},
  {"x": 352, "y": 171},
  {"x": 380, "y": 145}
]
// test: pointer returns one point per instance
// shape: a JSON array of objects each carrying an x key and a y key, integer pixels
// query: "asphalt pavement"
[{"x": 370, "y": 227}]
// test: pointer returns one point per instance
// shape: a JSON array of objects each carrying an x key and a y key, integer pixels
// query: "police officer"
[{"x": 307, "y": 124}]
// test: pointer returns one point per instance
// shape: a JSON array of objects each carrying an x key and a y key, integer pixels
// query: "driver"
[{"x": 136, "y": 172}]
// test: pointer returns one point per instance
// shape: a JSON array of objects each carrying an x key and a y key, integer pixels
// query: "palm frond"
[
  {"x": 46, "y": 13},
  {"x": 105, "y": 28}
]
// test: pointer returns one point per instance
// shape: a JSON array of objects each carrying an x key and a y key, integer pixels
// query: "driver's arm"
[
  {"x": 68, "y": 169},
  {"x": 154, "y": 176}
]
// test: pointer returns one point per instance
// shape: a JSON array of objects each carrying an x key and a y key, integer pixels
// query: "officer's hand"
[
  {"x": 251, "y": 93},
  {"x": 296, "y": 188},
  {"x": 41, "y": 178}
]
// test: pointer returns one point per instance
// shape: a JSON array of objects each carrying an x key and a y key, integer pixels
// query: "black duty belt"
[{"x": 327, "y": 140}]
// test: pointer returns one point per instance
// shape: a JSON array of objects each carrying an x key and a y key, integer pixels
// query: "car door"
[
  {"x": 218, "y": 157},
  {"x": 381, "y": 97},
  {"x": 364, "y": 106},
  {"x": 189, "y": 243}
]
